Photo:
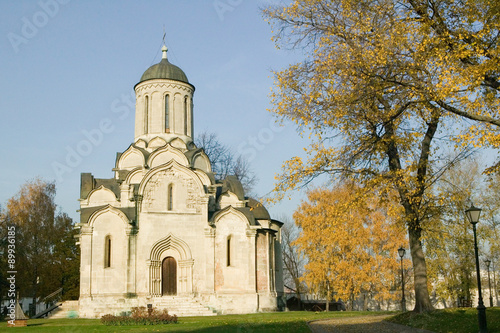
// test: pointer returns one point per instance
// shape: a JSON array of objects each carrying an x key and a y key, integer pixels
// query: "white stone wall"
[
  {"x": 109, "y": 280},
  {"x": 156, "y": 90}
]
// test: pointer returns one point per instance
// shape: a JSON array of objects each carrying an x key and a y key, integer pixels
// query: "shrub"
[{"x": 140, "y": 316}]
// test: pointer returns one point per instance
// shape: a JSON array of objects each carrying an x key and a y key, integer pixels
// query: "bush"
[{"x": 140, "y": 316}]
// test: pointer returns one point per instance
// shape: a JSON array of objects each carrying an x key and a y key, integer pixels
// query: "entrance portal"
[{"x": 169, "y": 276}]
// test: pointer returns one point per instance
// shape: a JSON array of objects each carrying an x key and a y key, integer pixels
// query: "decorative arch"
[
  {"x": 230, "y": 210},
  {"x": 141, "y": 143},
  {"x": 130, "y": 159},
  {"x": 109, "y": 209},
  {"x": 157, "y": 142},
  {"x": 178, "y": 143},
  {"x": 134, "y": 176},
  {"x": 167, "y": 243},
  {"x": 176, "y": 246},
  {"x": 153, "y": 188},
  {"x": 203, "y": 177},
  {"x": 100, "y": 196},
  {"x": 166, "y": 154},
  {"x": 228, "y": 198},
  {"x": 202, "y": 162}
]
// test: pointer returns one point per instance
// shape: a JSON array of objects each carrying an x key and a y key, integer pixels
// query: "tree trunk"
[
  {"x": 422, "y": 299},
  {"x": 299, "y": 300},
  {"x": 327, "y": 305},
  {"x": 298, "y": 292}
]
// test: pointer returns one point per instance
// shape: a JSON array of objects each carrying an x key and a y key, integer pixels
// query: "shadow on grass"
[
  {"x": 293, "y": 322},
  {"x": 377, "y": 327},
  {"x": 368, "y": 324},
  {"x": 298, "y": 326},
  {"x": 450, "y": 320}
]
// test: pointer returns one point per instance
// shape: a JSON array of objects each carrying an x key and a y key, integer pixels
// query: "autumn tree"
[
  {"x": 449, "y": 240},
  {"x": 293, "y": 261},
  {"x": 45, "y": 248},
  {"x": 225, "y": 162},
  {"x": 351, "y": 243},
  {"x": 4, "y": 285},
  {"x": 66, "y": 257},
  {"x": 458, "y": 51},
  {"x": 491, "y": 222},
  {"x": 387, "y": 95}
]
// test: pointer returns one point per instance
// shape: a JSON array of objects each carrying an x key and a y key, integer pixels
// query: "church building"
[{"x": 163, "y": 231}]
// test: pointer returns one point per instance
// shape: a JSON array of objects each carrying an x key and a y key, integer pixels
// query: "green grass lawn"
[
  {"x": 293, "y": 322},
  {"x": 450, "y": 320},
  {"x": 439, "y": 321}
]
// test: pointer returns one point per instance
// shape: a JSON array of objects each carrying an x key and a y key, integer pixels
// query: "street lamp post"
[
  {"x": 401, "y": 252},
  {"x": 473, "y": 216},
  {"x": 488, "y": 262}
]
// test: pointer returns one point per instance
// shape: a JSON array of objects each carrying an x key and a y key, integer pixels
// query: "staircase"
[
  {"x": 66, "y": 309},
  {"x": 182, "y": 306},
  {"x": 53, "y": 300},
  {"x": 46, "y": 312}
]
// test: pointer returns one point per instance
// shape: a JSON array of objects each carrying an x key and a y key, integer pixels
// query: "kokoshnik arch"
[{"x": 163, "y": 231}]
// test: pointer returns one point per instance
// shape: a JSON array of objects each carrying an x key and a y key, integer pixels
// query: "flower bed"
[{"x": 140, "y": 316}]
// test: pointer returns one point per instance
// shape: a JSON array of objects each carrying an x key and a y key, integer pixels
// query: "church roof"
[
  {"x": 259, "y": 211},
  {"x": 164, "y": 70},
  {"x": 231, "y": 183}
]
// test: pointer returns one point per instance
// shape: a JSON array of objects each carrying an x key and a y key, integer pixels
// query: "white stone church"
[{"x": 163, "y": 231}]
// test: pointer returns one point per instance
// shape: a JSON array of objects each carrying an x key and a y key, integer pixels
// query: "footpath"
[{"x": 362, "y": 324}]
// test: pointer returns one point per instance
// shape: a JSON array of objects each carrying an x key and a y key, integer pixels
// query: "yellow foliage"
[
  {"x": 381, "y": 83},
  {"x": 350, "y": 241}
]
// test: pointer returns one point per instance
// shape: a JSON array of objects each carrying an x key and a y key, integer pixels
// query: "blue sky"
[{"x": 68, "y": 69}]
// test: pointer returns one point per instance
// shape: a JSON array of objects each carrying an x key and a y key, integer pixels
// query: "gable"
[
  {"x": 165, "y": 155},
  {"x": 201, "y": 161},
  {"x": 101, "y": 196},
  {"x": 156, "y": 143},
  {"x": 172, "y": 188},
  {"x": 132, "y": 158}
]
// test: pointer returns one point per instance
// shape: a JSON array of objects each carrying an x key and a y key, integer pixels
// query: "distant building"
[{"x": 163, "y": 231}]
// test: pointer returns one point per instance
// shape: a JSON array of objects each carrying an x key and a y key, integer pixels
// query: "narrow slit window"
[
  {"x": 170, "y": 194},
  {"x": 229, "y": 251},
  {"x": 185, "y": 115},
  {"x": 146, "y": 111},
  {"x": 191, "y": 120},
  {"x": 107, "y": 252},
  {"x": 167, "y": 125}
]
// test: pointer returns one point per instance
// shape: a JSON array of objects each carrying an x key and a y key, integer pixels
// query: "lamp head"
[
  {"x": 401, "y": 252},
  {"x": 473, "y": 214}
]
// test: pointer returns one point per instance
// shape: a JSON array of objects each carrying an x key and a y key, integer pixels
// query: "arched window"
[
  {"x": 107, "y": 251},
  {"x": 167, "y": 105},
  {"x": 146, "y": 111},
  {"x": 170, "y": 197},
  {"x": 228, "y": 251},
  {"x": 185, "y": 115}
]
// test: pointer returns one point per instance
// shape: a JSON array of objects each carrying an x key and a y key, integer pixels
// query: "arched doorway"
[{"x": 169, "y": 276}]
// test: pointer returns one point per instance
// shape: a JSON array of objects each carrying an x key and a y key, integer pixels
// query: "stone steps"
[
  {"x": 182, "y": 306},
  {"x": 67, "y": 309}
]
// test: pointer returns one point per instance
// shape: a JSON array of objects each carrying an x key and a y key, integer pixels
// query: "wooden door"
[{"x": 169, "y": 276}]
